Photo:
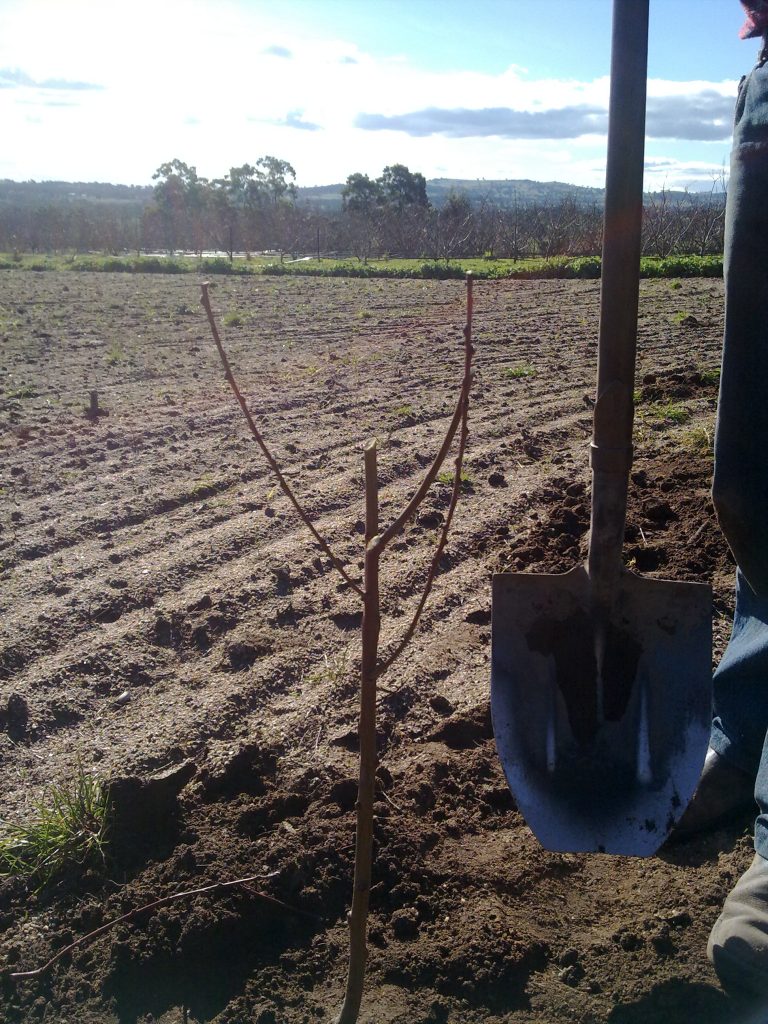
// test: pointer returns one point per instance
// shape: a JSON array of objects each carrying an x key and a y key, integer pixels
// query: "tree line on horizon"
[{"x": 254, "y": 208}]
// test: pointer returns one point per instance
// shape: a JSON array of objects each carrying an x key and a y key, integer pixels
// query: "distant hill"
[
  {"x": 507, "y": 192},
  {"x": 503, "y": 193},
  {"x": 322, "y": 198},
  {"x": 39, "y": 193}
]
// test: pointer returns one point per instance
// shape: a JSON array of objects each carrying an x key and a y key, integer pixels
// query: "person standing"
[{"x": 736, "y": 769}]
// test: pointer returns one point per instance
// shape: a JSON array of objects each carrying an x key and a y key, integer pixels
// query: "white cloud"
[{"x": 220, "y": 85}]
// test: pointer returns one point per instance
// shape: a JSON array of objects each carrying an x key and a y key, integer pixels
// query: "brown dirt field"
[{"x": 161, "y": 604}]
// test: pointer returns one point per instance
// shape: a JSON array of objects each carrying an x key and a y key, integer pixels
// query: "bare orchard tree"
[
  {"x": 513, "y": 231},
  {"x": 664, "y": 227},
  {"x": 589, "y": 240},
  {"x": 486, "y": 221},
  {"x": 555, "y": 228},
  {"x": 360, "y": 233},
  {"x": 451, "y": 227},
  {"x": 403, "y": 229},
  {"x": 372, "y": 665},
  {"x": 706, "y": 232},
  {"x": 361, "y": 201}
]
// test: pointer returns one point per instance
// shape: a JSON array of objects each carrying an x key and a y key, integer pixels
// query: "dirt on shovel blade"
[{"x": 162, "y": 606}]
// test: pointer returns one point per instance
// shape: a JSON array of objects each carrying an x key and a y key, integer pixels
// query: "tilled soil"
[{"x": 170, "y": 626}]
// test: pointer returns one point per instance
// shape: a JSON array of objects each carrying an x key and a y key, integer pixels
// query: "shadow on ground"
[{"x": 680, "y": 1002}]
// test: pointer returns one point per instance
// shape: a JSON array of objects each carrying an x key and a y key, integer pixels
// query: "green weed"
[
  {"x": 518, "y": 372},
  {"x": 237, "y": 318},
  {"x": 672, "y": 413},
  {"x": 681, "y": 317},
  {"x": 23, "y": 391},
  {"x": 68, "y": 828},
  {"x": 446, "y": 477},
  {"x": 677, "y": 413},
  {"x": 203, "y": 487},
  {"x": 334, "y": 671},
  {"x": 698, "y": 440},
  {"x": 711, "y": 377},
  {"x": 115, "y": 354}
]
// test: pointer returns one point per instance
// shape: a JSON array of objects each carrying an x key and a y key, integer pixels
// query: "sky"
[{"x": 104, "y": 90}]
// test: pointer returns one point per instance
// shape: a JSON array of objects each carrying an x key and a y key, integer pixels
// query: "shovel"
[{"x": 600, "y": 679}]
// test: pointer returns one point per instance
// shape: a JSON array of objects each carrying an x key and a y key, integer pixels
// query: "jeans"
[{"x": 740, "y": 484}]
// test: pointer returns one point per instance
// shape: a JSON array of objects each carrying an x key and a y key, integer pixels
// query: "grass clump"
[
  {"x": 336, "y": 671},
  {"x": 237, "y": 318},
  {"x": 697, "y": 440},
  {"x": 22, "y": 391},
  {"x": 684, "y": 319},
  {"x": 115, "y": 354},
  {"x": 447, "y": 476},
  {"x": 204, "y": 487},
  {"x": 520, "y": 372},
  {"x": 67, "y": 830},
  {"x": 670, "y": 414},
  {"x": 333, "y": 670},
  {"x": 675, "y": 413}
]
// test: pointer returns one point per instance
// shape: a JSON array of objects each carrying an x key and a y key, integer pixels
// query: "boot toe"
[
  {"x": 723, "y": 792},
  {"x": 738, "y": 943}
]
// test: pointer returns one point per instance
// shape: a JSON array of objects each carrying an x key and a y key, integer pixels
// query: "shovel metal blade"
[{"x": 601, "y": 722}]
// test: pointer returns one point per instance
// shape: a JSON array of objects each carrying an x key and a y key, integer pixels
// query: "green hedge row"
[{"x": 579, "y": 268}]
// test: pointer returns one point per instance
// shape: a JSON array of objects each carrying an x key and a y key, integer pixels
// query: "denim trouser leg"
[
  {"x": 741, "y": 684},
  {"x": 740, "y": 486}
]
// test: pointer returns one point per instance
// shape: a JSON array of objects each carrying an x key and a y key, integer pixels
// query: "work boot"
[
  {"x": 738, "y": 943},
  {"x": 724, "y": 791}
]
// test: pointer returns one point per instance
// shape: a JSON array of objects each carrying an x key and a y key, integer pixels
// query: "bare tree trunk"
[{"x": 358, "y": 915}]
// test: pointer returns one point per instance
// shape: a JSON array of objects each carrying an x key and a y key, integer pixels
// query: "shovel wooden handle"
[{"x": 611, "y": 449}]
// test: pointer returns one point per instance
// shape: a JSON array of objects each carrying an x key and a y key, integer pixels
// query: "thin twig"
[
  {"x": 459, "y": 412},
  {"x": 391, "y": 802},
  {"x": 464, "y": 407},
  {"x": 286, "y": 488},
  {"x": 397, "y": 525},
  {"x": 697, "y": 533},
  {"x": 84, "y": 939}
]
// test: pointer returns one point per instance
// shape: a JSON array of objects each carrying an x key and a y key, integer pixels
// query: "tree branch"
[
  {"x": 463, "y": 408},
  {"x": 397, "y": 525},
  {"x": 285, "y": 486}
]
